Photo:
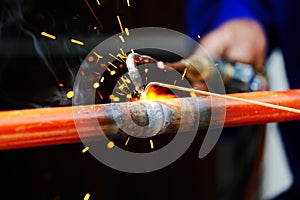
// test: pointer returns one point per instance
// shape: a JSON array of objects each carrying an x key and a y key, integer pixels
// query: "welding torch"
[{"x": 237, "y": 77}]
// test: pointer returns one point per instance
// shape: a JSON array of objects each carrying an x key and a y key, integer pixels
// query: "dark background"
[{"x": 31, "y": 68}]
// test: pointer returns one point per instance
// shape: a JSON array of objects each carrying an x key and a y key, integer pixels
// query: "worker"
[{"x": 247, "y": 31}]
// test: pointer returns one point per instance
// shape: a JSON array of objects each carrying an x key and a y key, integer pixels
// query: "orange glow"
[{"x": 154, "y": 93}]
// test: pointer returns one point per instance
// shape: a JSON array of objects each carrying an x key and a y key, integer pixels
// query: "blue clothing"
[{"x": 280, "y": 19}]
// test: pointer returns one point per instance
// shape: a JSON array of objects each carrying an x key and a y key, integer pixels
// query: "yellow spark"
[
  {"x": 48, "y": 35},
  {"x": 113, "y": 72},
  {"x": 115, "y": 57},
  {"x": 87, "y": 196},
  {"x": 128, "y": 96},
  {"x": 128, "y": 3},
  {"x": 110, "y": 144},
  {"x": 127, "y": 141},
  {"x": 193, "y": 94},
  {"x": 121, "y": 38},
  {"x": 98, "y": 56},
  {"x": 116, "y": 99},
  {"x": 184, "y": 73},
  {"x": 175, "y": 82},
  {"x": 61, "y": 85},
  {"x": 101, "y": 80},
  {"x": 123, "y": 52},
  {"x": 151, "y": 144},
  {"x": 120, "y": 23},
  {"x": 127, "y": 31},
  {"x": 96, "y": 85},
  {"x": 121, "y": 57},
  {"x": 146, "y": 70},
  {"x": 85, "y": 149},
  {"x": 112, "y": 65},
  {"x": 98, "y": 2},
  {"x": 77, "y": 42},
  {"x": 70, "y": 94}
]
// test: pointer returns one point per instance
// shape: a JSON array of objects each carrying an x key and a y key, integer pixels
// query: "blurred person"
[{"x": 247, "y": 31}]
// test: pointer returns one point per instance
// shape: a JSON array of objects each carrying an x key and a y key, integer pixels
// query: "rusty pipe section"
[{"x": 60, "y": 125}]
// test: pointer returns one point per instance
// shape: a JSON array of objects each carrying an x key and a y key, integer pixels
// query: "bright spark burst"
[
  {"x": 77, "y": 42},
  {"x": 48, "y": 35},
  {"x": 128, "y": 3},
  {"x": 98, "y": 2}
]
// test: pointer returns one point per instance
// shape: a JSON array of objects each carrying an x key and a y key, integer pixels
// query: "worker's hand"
[{"x": 239, "y": 40}]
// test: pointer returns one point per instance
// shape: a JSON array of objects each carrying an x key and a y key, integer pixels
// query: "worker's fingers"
[{"x": 241, "y": 40}]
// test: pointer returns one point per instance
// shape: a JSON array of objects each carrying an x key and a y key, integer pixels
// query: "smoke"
[{"x": 36, "y": 71}]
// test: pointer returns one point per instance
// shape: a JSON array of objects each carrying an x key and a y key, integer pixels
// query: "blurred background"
[{"x": 36, "y": 72}]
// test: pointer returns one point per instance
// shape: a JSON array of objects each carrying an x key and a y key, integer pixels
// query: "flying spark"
[
  {"x": 77, "y": 42},
  {"x": 120, "y": 23},
  {"x": 48, "y": 35},
  {"x": 87, "y": 196},
  {"x": 85, "y": 149}
]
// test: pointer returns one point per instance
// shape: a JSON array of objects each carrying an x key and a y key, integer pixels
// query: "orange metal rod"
[{"x": 52, "y": 126}]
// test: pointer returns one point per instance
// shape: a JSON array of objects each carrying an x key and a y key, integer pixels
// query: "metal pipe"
[{"x": 52, "y": 126}]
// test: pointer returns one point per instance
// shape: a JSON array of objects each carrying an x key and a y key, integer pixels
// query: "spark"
[
  {"x": 61, "y": 85},
  {"x": 94, "y": 14},
  {"x": 122, "y": 94},
  {"x": 98, "y": 2},
  {"x": 124, "y": 54},
  {"x": 100, "y": 95},
  {"x": 175, "y": 82},
  {"x": 48, "y": 35},
  {"x": 102, "y": 79},
  {"x": 98, "y": 56},
  {"x": 96, "y": 85},
  {"x": 127, "y": 141},
  {"x": 112, "y": 65},
  {"x": 128, "y": 3},
  {"x": 113, "y": 72},
  {"x": 91, "y": 58},
  {"x": 87, "y": 196},
  {"x": 115, "y": 57},
  {"x": 77, "y": 42},
  {"x": 128, "y": 96},
  {"x": 198, "y": 36},
  {"x": 151, "y": 144},
  {"x": 121, "y": 57},
  {"x": 127, "y": 31},
  {"x": 184, "y": 73},
  {"x": 110, "y": 145},
  {"x": 120, "y": 23},
  {"x": 70, "y": 94},
  {"x": 85, "y": 149},
  {"x": 121, "y": 38}
]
